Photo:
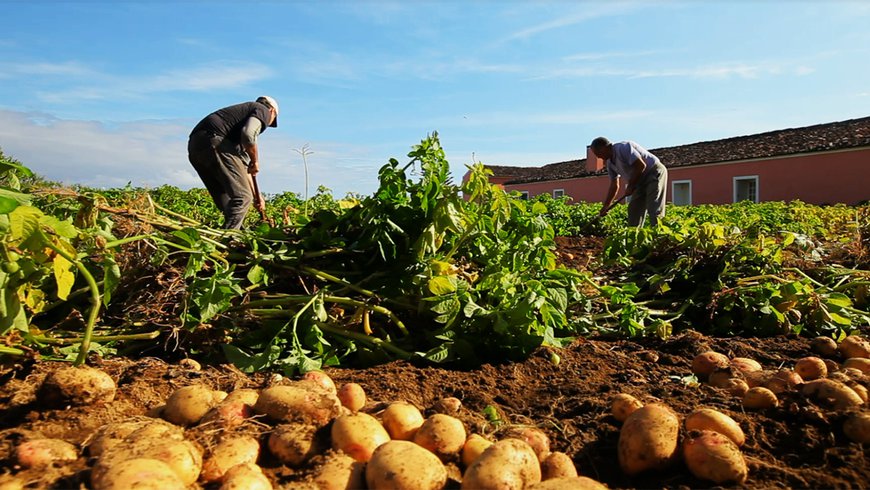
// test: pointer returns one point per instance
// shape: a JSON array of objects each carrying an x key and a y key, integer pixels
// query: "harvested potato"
[
  {"x": 37, "y": 453},
  {"x": 810, "y": 368},
  {"x": 228, "y": 414},
  {"x": 535, "y": 437},
  {"x": 77, "y": 386},
  {"x": 182, "y": 456},
  {"x": 352, "y": 396},
  {"x": 760, "y": 398},
  {"x": 648, "y": 439},
  {"x": 509, "y": 464},
  {"x": 860, "y": 363},
  {"x": 569, "y": 483},
  {"x": 622, "y": 405},
  {"x": 712, "y": 456},
  {"x": 716, "y": 421},
  {"x": 228, "y": 453},
  {"x": 321, "y": 379},
  {"x": 745, "y": 365},
  {"x": 245, "y": 476},
  {"x": 824, "y": 346},
  {"x": 831, "y": 366},
  {"x": 447, "y": 406},
  {"x": 854, "y": 346},
  {"x": 442, "y": 434},
  {"x": 721, "y": 377},
  {"x": 294, "y": 444},
  {"x": 402, "y": 420},
  {"x": 859, "y": 389},
  {"x": 757, "y": 378},
  {"x": 403, "y": 465},
  {"x": 187, "y": 405},
  {"x": 557, "y": 465},
  {"x": 191, "y": 364},
  {"x": 9, "y": 482},
  {"x": 340, "y": 472},
  {"x": 358, "y": 435},
  {"x": 139, "y": 473},
  {"x": 782, "y": 380},
  {"x": 705, "y": 363},
  {"x": 297, "y": 403},
  {"x": 857, "y": 427},
  {"x": 474, "y": 446},
  {"x": 837, "y": 394},
  {"x": 736, "y": 387},
  {"x": 157, "y": 429},
  {"x": 112, "y": 434}
]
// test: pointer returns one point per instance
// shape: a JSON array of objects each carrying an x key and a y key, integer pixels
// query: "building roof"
[{"x": 840, "y": 135}]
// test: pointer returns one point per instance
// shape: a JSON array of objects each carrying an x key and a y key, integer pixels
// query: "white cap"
[{"x": 265, "y": 99}]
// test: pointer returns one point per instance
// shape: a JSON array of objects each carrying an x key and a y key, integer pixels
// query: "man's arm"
[
  {"x": 611, "y": 193},
  {"x": 250, "y": 131},
  {"x": 637, "y": 169}
]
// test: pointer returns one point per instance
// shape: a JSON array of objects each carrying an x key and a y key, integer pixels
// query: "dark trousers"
[{"x": 224, "y": 171}]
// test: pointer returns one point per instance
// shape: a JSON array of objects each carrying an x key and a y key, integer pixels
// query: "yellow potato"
[
  {"x": 713, "y": 456},
  {"x": 182, "y": 456},
  {"x": 745, "y": 365},
  {"x": 859, "y": 389},
  {"x": 340, "y": 472},
  {"x": 535, "y": 437},
  {"x": 857, "y": 427},
  {"x": 474, "y": 446},
  {"x": 760, "y": 398},
  {"x": 402, "y": 420},
  {"x": 825, "y": 346},
  {"x": 509, "y": 464},
  {"x": 705, "y": 363},
  {"x": 447, "y": 406},
  {"x": 557, "y": 465},
  {"x": 37, "y": 453},
  {"x": 442, "y": 434},
  {"x": 648, "y": 439},
  {"x": 622, "y": 405},
  {"x": 782, "y": 380},
  {"x": 352, "y": 396},
  {"x": 297, "y": 402},
  {"x": 721, "y": 377},
  {"x": 294, "y": 444},
  {"x": 77, "y": 386},
  {"x": 189, "y": 404},
  {"x": 111, "y": 434},
  {"x": 245, "y": 476},
  {"x": 837, "y": 394},
  {"x": 860, "y": 363},
  {"x": 569, "y": 483},
  {"x": 141, "y": 474},
  {"x": 736, "y": 387},
  {"x": 9, "y": 482},
  {"x": 227, "y": 453},
  {"x": 403, "y": 465},
  {"x": 810, "y": 368},
  {"x": 358, "y": 435},
  {"x": 854, "y": 346},
  {"x": 716, "y": 421}
]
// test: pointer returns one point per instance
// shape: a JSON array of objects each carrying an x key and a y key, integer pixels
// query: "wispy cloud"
[
  {"x": 722, "y": 70},
  {"x": 43, "y": 68},
  {"x": 590, "y": 11},
  {"x": 612, "y": 55}
]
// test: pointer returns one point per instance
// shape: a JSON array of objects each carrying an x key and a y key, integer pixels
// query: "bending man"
[
  {"x": 223, "y": 150},
  {"x": 646, "y": 179}
]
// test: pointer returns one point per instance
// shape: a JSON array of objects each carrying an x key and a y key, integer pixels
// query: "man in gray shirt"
[
  {"x": 223, "y": 150},
  {"x": 645, "y": 176}
]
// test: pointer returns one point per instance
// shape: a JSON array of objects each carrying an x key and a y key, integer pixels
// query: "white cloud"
[
  {"x": 43, "y": 68},
  {"x": 709, "y": 71},
  {"x": 590, "y": 11}
]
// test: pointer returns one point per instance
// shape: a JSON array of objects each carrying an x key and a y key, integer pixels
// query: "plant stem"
[
  {"x": 11, "y": 351},
  {"x": 366, "y": 339},
  {"x": 99, "y": 338}
]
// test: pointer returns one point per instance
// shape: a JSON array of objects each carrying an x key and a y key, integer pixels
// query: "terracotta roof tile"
[{"x": 853, "y": 133}]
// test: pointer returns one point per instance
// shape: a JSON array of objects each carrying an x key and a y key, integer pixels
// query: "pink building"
[{"x": 821, "y": 164}]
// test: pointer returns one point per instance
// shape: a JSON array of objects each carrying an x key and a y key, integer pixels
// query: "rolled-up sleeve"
[{"x": 252, "y": 128}]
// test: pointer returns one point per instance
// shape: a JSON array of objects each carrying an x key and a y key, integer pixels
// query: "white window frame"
[
  {"x": 740, "y": 178},
  {"x": 524, "y": 195},
  {"x": 674, "y": 192},
  {"x": 560, "y": 191}
]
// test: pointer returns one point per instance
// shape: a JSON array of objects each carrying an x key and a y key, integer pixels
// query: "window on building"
[
  {"x": 681, "y": 192},
  {"x": 746, "y": 188},
  {"x": 524, "y": 195},
  {"x": 557, "y": 193}
]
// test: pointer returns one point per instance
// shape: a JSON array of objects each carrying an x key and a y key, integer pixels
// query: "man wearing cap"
[
  {"x": 645, "y": 176},
  {"x": 223, "y": 150}
]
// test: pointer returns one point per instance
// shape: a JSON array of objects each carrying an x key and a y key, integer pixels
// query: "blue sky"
[{"x": 105, "y": 92}]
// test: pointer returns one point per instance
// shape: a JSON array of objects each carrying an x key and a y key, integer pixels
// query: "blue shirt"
[{"x": 624, "y": 155}]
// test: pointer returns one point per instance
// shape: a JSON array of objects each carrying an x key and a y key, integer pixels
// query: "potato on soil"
[
  {"x": 854, "y": 346},
  {"x": 77, "y": 386},
  {"x": 824, "y": 346},
  {"x": 358, "y": 435},
  {"x": 474, "y": 446},
  {"x": 857, "y": 427},
  {"x": 447, "y": 406},
  {"x": 9, "y": 482},
  {"x": 113, "y": 433},
  {"x": 859, "y": 389},
  {"x": 758, "y": 398},
  {"x": 352, "y": 396},
  {"x": 810, "y": 368},
  {"x": 648, "y": 439},
  {"x": 705, "y": 363},
  {"x": 757, "y": 378},
  {"x": 403, "y": 465},
  {"x": 557, "y": 465},
  {"x": 716, "y": 421},
  {"x": 442, "y": 434},
  {"x": 622, "y": 405},
  {"x": 294, "y": 444},
  {"x": 860, "y": 363},
  {"x": 402, "y": 420},
  {"x": 245, "y": 476},
  {"x": 736, "y": 387},
  {"x": 233, "y": 410},
  {"x": 298, "y": 403},
  {"x": 534, "y": 437},
  {"x": 509, "y": 464},
  {"x": 745, "y": 365},
  {"x": 187, "y": 405},
  {"x": 228, "y": 453},
  {"x": 321, "y": 379},
  {"x": 782, "y": 380},
  {"x": 712, "y": 456},
  {"x": 37, "y": 453},
  {"x": 837, "y": 394},
  {"x": 182, "y": 456},
  {"x": 340, "y": 472},
  {"x": 569, "y": 483},
  {"x": 722, "y": 377},
  {"x": 141, "y": 474}
]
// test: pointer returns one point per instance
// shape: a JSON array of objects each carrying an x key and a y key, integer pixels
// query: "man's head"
[
  {"x": 602, "y": 147},
  {"x": 272, "y": 104}
]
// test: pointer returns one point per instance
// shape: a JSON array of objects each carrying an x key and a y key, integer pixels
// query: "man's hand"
[
  {"x": 254, "y": 168},
  {"x": 259, "y": 203}
]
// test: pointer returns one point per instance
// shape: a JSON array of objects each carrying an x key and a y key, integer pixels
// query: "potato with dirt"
[
  {"x": 810, "y": 368},
  {"x": 402, "y": 420},
  {"x": 705, "y": 363},
  {"x": 622, "y": 405},
  {"x": 358, "y": 435},
  {"x": 860, "y": 363},
  {"x": 352, "y": 396},
  {"x": 745, "y": 365},
  {"x": 187, "y": 405},
  {"x": 509, "y": 464},
  {"x": 716, "y": 421},
  {"x": 112, "y": 434},
  {"x": 403, "y": 465},
  {"x": 38, "y": 453},
  {"x": 76, "y": 386},
  {"x": 534, "y": 437},
  {"x": 857, "y": 427},
  {"x": 557, "y": 465},
  {"x": 339, "y": 472},
  {"x": 229, "y": 452},
  {"x": 712, "y": 456},
  {"x": 759, "y": 398},
  {"x": 833, "y": 393},
  {"x": 474, "y": 446},
  {"x": 854, "y": 346},
  {"x": 569, "y": 483},
  {"x": 322, "y": 379},
  {"x": 139, "y": 474},
  {"x": 245, "y": 476},
  {"x": 442, "y": 434},
  {"x": 824, "y": 346},
  {"x": 182, "y": 456},
  {"x": 298, "y": 402},
  {"x": 648, "y": 439},
  {"x": 294, "y": 444}
]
